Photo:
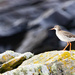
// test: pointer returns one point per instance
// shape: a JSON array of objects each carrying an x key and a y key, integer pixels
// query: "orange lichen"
[
  {"x": 35, "y": 62},
  {"x": 64, "y": 55},
  {"x": 71, "y": 67},
  {"x": 41, "y": 56},
  {"x": 39, "y": 70}
]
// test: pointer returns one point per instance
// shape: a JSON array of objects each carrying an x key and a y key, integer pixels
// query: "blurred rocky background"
[{"x": 25, "y": 24}]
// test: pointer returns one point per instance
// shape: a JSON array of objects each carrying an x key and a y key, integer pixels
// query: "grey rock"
[
  {"x": 71, "y": 9},
  {"x": 32, "y": 39},
  {"x": 20, "y": 20}
]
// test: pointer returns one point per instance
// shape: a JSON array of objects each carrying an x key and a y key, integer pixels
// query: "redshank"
[{"x": 64, "y": 36}]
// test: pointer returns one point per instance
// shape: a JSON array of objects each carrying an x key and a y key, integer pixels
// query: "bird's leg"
[
  {"x": 70, "y": 46},
  {"x": 66, "y": 46}
]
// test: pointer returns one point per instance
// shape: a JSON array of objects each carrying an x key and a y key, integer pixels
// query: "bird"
[{"x": 64, "y": 36}]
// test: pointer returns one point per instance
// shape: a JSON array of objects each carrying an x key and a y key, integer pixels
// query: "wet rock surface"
[{"x": 24, "y": 25}]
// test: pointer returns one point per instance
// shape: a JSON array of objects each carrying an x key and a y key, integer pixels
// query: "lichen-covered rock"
[
  {"x": 8, "y": 55},
  {"x": 48, "y": 63},
  {"x": 34, "y": 69},
  {"x": 13, "y": 63},
  {"x": 58, "y": 62}
]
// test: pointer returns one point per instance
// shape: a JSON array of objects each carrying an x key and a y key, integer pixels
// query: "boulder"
[
  {"x": 13, "y": 62},
  {"x": 4, "y": 57},
  {"x": 24, "y": 25},
  {"x": 34, "y": 69},
  {"x": 47, "y": 63},
  {"x": 57, "y": 62}
]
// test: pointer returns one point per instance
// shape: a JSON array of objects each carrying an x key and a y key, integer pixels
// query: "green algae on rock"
[{"x": 13, "y": 63}]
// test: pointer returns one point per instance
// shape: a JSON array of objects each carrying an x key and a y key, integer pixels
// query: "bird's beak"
[{"x": 52, "y": 29}]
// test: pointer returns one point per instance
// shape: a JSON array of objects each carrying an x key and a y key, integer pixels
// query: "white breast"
[{"x": 64, "y": 38}]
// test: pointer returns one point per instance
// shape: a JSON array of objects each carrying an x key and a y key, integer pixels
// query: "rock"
[
  {"x": 58, "y": 62},
  {"x": 13, "y": 63},
  {"x": 32, "y": 39},
  {"x": 47, "y": 63},
  {"x": 7, "y": 4},
  {"x": 51, "y": 17},
  {"x": 45, "y": 21},
  {"x": 34, "y": 69},
  {"x": 71, "y": 9},
  {"x": 4, "y": 57},
  {"x": 11, "y": 27},
  {"x": 21, "y": 19}
]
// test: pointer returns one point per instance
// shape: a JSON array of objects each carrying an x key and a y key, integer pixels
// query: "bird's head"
[{"x": 56, "y": 27}]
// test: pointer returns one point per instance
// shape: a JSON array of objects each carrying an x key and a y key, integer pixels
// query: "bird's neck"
[{"x": 57, "y": 30}]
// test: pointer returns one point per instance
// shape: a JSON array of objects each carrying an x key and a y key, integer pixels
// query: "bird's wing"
[{"x": 68, "y": 34}]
